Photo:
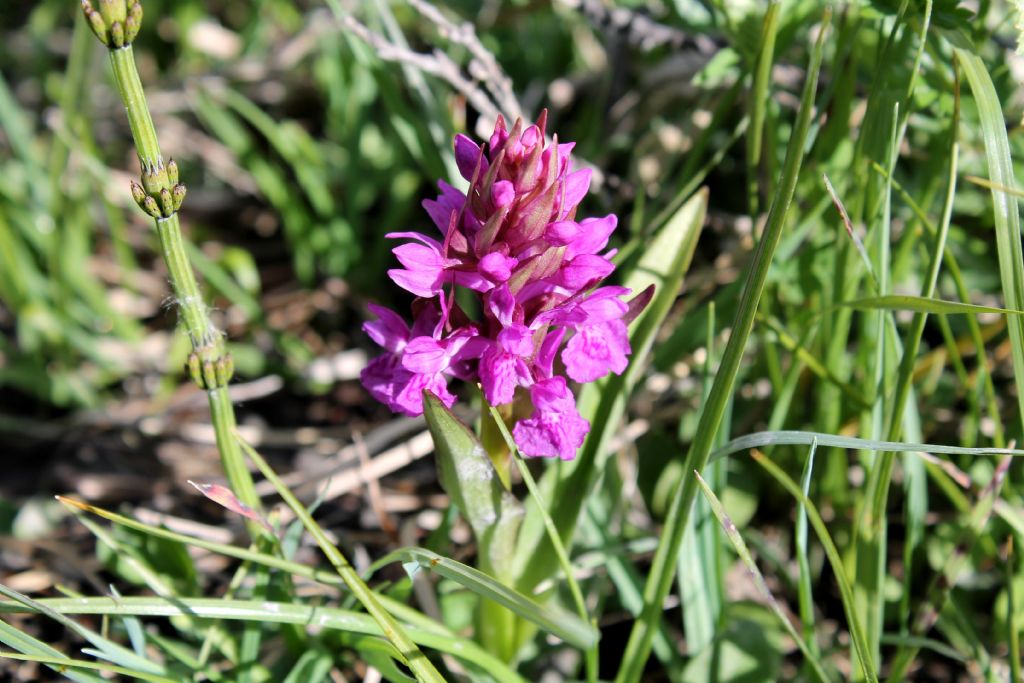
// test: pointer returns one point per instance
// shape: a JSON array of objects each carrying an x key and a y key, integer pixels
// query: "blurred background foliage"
[{"x": 302, "y": 144}]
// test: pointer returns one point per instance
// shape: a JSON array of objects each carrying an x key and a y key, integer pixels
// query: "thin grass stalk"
[
  {"x": 759, "y": 100},
  {"x": 1012, "y": 564},
  {"x": 942, "y": 585},
  {"x": 871, "y": 541},
  {"x": 161, "y": 195},
  {"x": 416, "y": 660},
  {"x": 61, "y": 664},
  {"x": 1007, "y": 218},
  {"x": 274, "y": 612},
  {"x": 871, "y": 520},
  {"x": 810, "y": 658},
  {"x": 963, "y": 293},
  {"x": 660, "y": 578},
  {"x": 804, "y": 592},
  {"x": 857, "y": 634},
  {"x": 591, "y": 655}
]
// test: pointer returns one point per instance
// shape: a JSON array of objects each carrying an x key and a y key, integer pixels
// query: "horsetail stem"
[{"x": 160, "y": 194}]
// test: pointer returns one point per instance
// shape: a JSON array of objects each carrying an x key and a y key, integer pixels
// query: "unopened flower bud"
[
  {"x": 172, "y": 172},
  {"x": 113, "y": 11},
  {"x": 96, "y": 23},
  {"x": 117, "y": 34},
  {"x": 166, "y": 202},
  {"x": 178, "y": 194}
]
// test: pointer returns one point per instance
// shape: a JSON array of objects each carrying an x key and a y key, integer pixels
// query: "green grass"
[{"x": 834, "y": 293}]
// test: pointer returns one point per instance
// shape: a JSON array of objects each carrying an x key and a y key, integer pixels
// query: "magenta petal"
[
  {"x": 467, "y": 153},
  {"x": 382, "y": 377},
  {"x": 389, "y": 330},
  {"x": 548, "y": 349},
  {"x": 502, "y": 193},
  {"x": 596, "y": 350},
  {"x": 425, "y": 284},
  {"x": 604, "y": 304},
  {"x": 555, "y": 428},
  {"x": 424, "y": 355},
  {"x": 497, "y": 267},
  {"x": 561, "y": 233},
  {"x": 502, "y": 304},
  {"x": 499, "y": 375},
  {"x": 440, "y": 210},
  {"x": 576, "y": 185},
  {"x": 517, "y": 340},
  {"x": 409, "y": 399},
  {"x": 418, "y": 256},
  {"x": 593, "y": 236},
  {"x": 582, "y": 271}
]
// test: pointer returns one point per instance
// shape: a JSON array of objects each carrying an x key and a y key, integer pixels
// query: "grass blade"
[
  {"x": 801, "y": 438},
  {"x": 923, "y": 305},
  {"x": 804, "y": 592},
  {"x": 273, "y": 612},
  {"x": 662, "y": 570},
  {"x": 407, "y": 650},
  {"x": 748, "y": 561},
  {"x": 857, "y": 634},
  {"x": 1004, "y": 205},
  {"x": 659, "y": 580},
  {"x": 551, "y": 618}
]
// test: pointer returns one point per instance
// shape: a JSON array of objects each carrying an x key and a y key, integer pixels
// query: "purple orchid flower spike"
[{"x": 514, "y": 241}]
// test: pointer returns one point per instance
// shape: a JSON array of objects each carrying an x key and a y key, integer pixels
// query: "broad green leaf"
[{"x": 469, "y": 477}]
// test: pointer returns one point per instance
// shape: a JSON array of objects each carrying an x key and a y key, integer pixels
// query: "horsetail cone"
[
  {"x": 116, "y": 22},
  {"x": 179, "y": 195},
  {"x": 96, "y": 23},
  {"x": 113, "y": 11}
]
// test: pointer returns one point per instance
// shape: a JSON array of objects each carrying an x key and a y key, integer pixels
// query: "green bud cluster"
[
  {"x": 116, "y": 23},
  {"x": 160, "y": 194},
  {"x": 210, "y": 374}
]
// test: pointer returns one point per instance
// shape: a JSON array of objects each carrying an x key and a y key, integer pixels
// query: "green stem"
[{"x": 207, "y": 341}]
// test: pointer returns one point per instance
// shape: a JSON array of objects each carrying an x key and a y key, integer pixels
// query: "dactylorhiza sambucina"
[{"x": 515, "y": 242}]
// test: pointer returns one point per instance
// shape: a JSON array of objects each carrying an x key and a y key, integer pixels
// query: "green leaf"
[
  {"x": 920, "y": 304},
  {"x": 1004, "y": 205},
  {"x": 469, "y": 477},
  {"x": 12, "y": 637},
  {"x": 436, "y": 637},
  {"x": 551, "y": 618},
  {"x": 798, "y": 438}
]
